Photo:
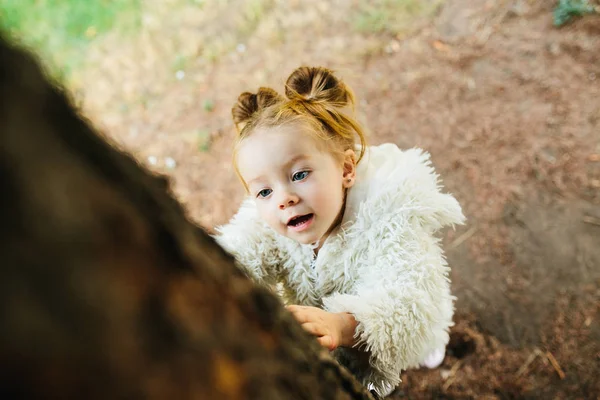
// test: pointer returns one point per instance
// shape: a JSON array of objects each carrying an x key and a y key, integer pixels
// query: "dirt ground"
[{"x": 508, "y": 106}]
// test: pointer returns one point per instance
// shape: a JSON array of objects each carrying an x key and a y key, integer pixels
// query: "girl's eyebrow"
[
  {"x": 292, "y": 161},
  {"x": 254, "y": 180},
  {"x": 295, "y": 159}
]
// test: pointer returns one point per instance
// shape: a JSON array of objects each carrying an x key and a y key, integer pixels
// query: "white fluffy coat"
[{"x": 383, "y": 264}]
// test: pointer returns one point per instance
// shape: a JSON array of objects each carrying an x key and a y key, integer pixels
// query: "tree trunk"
[{"x": 108, "y": 291}]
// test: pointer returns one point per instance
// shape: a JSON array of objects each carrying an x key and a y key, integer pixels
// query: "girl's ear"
[{"x": 349, "y": 169}]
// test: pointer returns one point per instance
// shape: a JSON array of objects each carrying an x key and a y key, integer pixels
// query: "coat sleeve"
[
  {"x": 401, "y": 299},
  {"x": 252, "y": 243}
]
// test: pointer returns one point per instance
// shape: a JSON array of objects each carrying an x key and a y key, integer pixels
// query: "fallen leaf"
[{"x": 440, "y": 46}]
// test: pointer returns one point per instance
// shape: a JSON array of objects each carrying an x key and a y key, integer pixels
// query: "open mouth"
[{"x": 300, "y": 221}]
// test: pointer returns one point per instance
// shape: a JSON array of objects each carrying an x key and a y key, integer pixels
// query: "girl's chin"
[{"x": 311, "y": 240}]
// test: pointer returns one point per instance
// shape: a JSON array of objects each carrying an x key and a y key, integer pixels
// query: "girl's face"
[{"x": 298, "y": 186}]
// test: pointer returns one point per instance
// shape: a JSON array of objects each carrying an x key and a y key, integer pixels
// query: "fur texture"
[{"x": 383, "y": 264}]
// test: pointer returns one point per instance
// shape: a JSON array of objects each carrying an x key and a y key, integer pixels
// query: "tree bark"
[{"x": 108, "y": 291}]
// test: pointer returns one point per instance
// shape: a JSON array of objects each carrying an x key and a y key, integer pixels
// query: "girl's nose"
[{"x": 288, "y": 200}]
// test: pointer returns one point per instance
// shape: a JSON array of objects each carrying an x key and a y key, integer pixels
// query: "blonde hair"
[{"x": 313, "y": 95}]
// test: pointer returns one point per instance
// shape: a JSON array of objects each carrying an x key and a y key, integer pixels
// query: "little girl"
[{"x": 343, "y": 231}]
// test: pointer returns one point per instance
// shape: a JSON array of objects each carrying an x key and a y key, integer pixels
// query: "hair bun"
[
  {"x": 249, "y": 103},
  {"x": 317, "y": 84}
]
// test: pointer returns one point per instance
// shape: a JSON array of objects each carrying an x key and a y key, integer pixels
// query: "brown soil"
[{"x": 507, "y": 105}]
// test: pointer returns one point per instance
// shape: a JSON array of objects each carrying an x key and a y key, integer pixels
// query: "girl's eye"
[
  {"x": 264, "y": 193},
  {"x": 298, "y": 176}
]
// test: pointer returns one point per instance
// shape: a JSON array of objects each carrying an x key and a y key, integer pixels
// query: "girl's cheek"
[{"x": 263, "y": 211}]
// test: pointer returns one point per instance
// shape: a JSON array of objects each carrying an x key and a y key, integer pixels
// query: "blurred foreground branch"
[{"x": 107, "y": 291}]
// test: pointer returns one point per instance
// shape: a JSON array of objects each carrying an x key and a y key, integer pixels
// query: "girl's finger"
[
  {"x": 296, "y": 307},
  {"x": 301, "y": 316},
  {"x": 326, "y": 341},
  {"x": 315, "y": 329}
]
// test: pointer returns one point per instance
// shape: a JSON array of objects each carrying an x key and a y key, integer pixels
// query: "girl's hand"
[{"x": 331, "y": 329}]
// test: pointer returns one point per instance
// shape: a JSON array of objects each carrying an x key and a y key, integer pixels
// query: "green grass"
[
  {"x": 61, "y": 30},
  {"x": 253, "y": 12},
  {"x": 566, "y": 10},
  {"x": 247, "y": 16},
  {"x": 391, "y": 16}
]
